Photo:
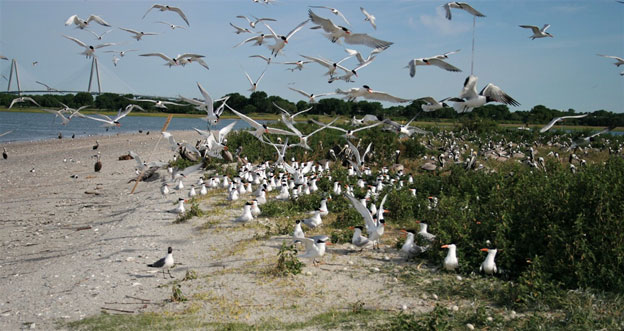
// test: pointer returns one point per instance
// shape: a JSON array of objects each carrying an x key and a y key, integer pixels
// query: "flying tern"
[
  {"x": 469, "y": 98},
  {"x": 89, "y": 50},
  {"x": 23, "y": 99},
  {"x": 367, "y": 93},
  {"x": 259, "y": 129},
  {"x": 348, "y": 133},
  {"x": 460, "y": 5},
  {"x": 175, "y": 60},
  {"x": 121, "y": 53},
  {"x": 311, "y": 96},
  {"x": 239, "y": 29},
  {"x": 335, "y": 12},
  {"x": 430, "y": 61},
  {"x": 255, "y": 21},
  {"x": 281, "y": 41},
  {"x": 432, "y": 104},
  {"x": 368, "y": 17},
  {"x": 330, "y": 65},
  {"x": 80, "y": 23},
  {"x": 537, "y": 32},
  {"x": 111, "y": 122},
  {"x": 48, "y": 88},
  {"x": 259, "y": 39},
  {"x": 138, "y": 34},
  {"x": 158, "y": 103},
  {"x": 557, "y": 119},
  {"x": 618, "y": 60},
  {"x": 334, "y": 33},
  {"x": 163, "y": 8},
  {"x": 100, "y": 36},
  {"x": 254, "y": 85},
  {"x": 171, "y": 25},
  {"x": 266, "y": 59}
]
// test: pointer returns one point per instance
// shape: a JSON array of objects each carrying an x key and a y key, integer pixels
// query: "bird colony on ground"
[{"x": 293, "y": 179}]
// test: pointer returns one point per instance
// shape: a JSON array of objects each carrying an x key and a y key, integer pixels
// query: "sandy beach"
[{"x": 76, "y": 241}]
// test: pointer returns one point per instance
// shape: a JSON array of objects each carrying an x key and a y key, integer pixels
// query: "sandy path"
[{"x": 67, "y": 253}]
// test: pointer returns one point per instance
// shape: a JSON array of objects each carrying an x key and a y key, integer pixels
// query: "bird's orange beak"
[
  {"x": 484, "y": 249},
  {"x": 351, "y": 228},
  {"x": 328, "y": 243},
  {"x": 386, "y": 211},
  {"x": 444, "y": 246},
  {"x": 418, "y": 222}
]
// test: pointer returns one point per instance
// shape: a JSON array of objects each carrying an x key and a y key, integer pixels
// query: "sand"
[{"x": 75, "y": 241}]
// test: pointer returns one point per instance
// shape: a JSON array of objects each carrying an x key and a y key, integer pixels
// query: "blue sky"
[{"x": 561, "y": 72}]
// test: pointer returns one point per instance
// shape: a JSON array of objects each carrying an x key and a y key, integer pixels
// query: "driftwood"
[{"x": 118, "y": 310}]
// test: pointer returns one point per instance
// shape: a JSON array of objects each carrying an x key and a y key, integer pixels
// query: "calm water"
[{"x": 38, "y": 126}]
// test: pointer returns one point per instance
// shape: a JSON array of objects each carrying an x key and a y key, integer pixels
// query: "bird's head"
[
  {"x": 347, "y": 31},
  {"x": 117, "y": 124},
  {"x": 169, "y": 250},
  {"x": 284, "y": 39},
  {"x": 368, "y": 89}
]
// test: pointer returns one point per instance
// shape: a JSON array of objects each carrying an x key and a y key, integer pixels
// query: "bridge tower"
[
  {"x": 94, "y": 67},
  {"x": 14, "y": 68}
]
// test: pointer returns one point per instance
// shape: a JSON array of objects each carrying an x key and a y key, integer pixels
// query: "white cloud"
[{"x": 441, "y": 25}]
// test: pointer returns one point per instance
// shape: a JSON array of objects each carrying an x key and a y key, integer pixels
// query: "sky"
[{"x": 562, "y": 72}]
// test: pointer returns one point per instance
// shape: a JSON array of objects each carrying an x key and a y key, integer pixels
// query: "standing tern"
[
  {"x": 537, "y": 32},
  {"x": 259, "y": 129},
  {"x": 450, "y": 261},
  {"x": 281, "y": 41},
  {"x": 311, "y": 96},
  {"x": 334, "y": 33},
  {"x": 460, "y": 5},
  {"x": 80, "y": 23},
  {"x": 410, "y": 248},
  {"x": 89, "y": 50},
  {"x": 469, "y": 99},
  {"x": 253, "y": 23},
  {"x": 335, "y": 12},
  {"x": 169, "y": 8},
  {"x": 489, "y": 266},
  {"x": 298, "y": 232},
  {"x": 23, "y": 99},
  {"x": 557, "y": 119},
  {"x": 164, "y": 263},
  {"x": 138, "y": 34},
  {"x": 368, "y": 17},
  {"x": 314, "y": 248},
  {"x": 358, "y": 240}
]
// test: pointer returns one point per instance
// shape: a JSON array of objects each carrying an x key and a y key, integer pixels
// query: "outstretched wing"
[{"x": 493, "y": 92}]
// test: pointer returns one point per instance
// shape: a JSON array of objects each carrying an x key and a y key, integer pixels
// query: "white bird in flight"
[
  {"x": 23, "y": 99},
  {"x": 368, "y": 17},
  {"x": 158, "y": 103},
  {"x": 259, "y": 129},
  {"x": 89, "y": 50},
  {"x": 460, "y": 5},
  {"x": 48, "y": 88},
  {"x": 281, "y": 41},
  {"x": 311, "y": 96},
  {"x": 334, "y": 33},
  {"x": 430, "y": 61},
  {"x": 335, "y": 12},
  {"x": 557, "y": 119},
  {"x": 80, "y": 23},
  {"x": 367, "y": 93},
  {"x": 259, "y": 39},
  {"x": 619, "y": 60},
  {"x": 138, "y": 34},
  {"x": 174, "y": 61},
  {"x": 537, "y": 32},
  {"x": 111, "y": 122},
  {"x": 432, "y": 104},
  {"x": 350, "y": 73},
  {"x": 122, "y": 53},
  {"x": 266, "y": 59},
  {"x": 169, "y": 8},
  {"x": 330, "y": 65},
  {"x": 171, "y": 25},
  {"x": 253, "y": 23},
  {"x": 100, "y": 36},
  {"x": 469, "y": 98},
  {"x": 254, "y": 85},
  {"x": 239, "y": 30}
]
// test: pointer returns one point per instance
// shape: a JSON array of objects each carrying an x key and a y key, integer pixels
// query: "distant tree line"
[{"x": 260, "y": 102}]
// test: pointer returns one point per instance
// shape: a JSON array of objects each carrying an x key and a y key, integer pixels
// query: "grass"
[{"x": 345, "y": 320}]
